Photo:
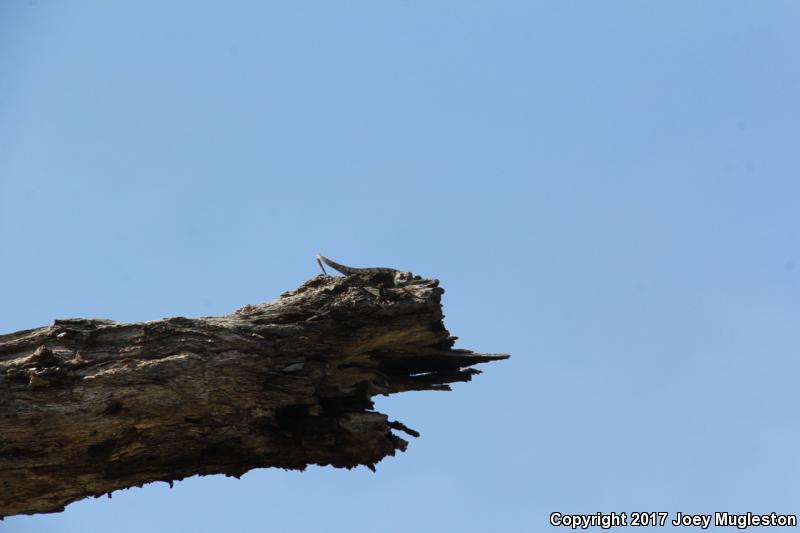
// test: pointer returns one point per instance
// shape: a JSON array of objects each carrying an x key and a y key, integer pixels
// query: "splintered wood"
[{"x": 91, "y": 406}]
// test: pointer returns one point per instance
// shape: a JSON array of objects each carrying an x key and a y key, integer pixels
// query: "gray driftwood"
[{"x": 91, "y": 406}]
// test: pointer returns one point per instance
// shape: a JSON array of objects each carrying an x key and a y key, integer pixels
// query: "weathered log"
[{"x": 91, "y": 406}]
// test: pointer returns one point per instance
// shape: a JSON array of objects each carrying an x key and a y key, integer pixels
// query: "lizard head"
[{"x": 402, "y": 278}]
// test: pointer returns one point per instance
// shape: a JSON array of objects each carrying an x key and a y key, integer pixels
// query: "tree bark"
[{"x": 90, "y": 406}]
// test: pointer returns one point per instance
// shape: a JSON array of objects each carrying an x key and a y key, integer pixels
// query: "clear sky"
[{"x": 607, "y": 191}]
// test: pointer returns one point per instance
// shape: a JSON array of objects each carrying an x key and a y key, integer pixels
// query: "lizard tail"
[{"x": 333, "y": 264}]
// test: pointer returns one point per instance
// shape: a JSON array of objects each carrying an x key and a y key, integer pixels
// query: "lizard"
[{"x": 398, "y": 277}]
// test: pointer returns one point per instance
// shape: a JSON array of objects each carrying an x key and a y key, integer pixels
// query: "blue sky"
[{"x": 609, "y": 192}]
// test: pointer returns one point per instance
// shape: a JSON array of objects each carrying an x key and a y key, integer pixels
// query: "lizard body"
[{"x": 399, "y": 277}]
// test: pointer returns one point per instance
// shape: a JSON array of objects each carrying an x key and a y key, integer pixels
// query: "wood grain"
[{"x": 90, "y": 406}]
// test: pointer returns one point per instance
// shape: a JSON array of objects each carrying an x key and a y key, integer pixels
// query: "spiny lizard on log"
[{"x": 397, "y": 277}]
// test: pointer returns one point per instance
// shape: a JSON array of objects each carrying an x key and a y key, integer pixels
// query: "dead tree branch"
[{"x": 91, "y": 406}]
